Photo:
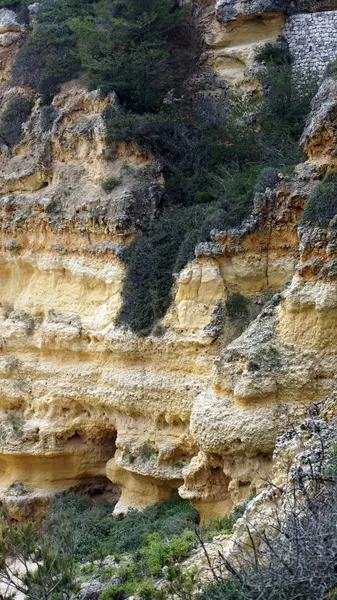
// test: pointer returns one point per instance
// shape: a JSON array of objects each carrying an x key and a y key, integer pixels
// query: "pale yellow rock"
[
  {"x": 43, "y": 283},
  {"x": 137, "y": 491},
  {"x": 232, "y": 49},
  {"x": 308, "y": 315}
]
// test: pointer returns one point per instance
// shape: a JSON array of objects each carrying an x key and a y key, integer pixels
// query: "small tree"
[
  {"x": 124, "y": 47},
  {"x": 38, "y": 566}
]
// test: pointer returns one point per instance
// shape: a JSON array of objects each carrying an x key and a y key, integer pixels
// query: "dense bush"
[
  {"x": 298, "y": 565},
  {"x": 109, "y": 184},
  {"x": 15, "y": 114},
  {"x": 119, "y": 46},
  {"x": 268, "y": 178},
  {"x": 43, "y": 567},
  {"x": 322, "y": 206},
  {"x": 286, "y": 105},
  {"x": 48, "y": 115},
  {"x": 8, "y": 3},
  {"x": 331, "y": 69},
  {"x": 159, "y": 552},
  {"x": 49, "y": 55},
  {"x": 95, "y": 530},
  {"x": 124, "y": 47}
]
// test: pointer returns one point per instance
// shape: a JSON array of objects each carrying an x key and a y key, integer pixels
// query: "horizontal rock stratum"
[{"x": 189, "y": 411}]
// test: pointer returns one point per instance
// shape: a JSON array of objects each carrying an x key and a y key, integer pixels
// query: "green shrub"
[
  {"x": 158, "y": 552},
  {"x": 124, "y": 47},
  {"x": 287, "y": 101},
  {"x": 268, "y": 178},
  {"x": 322, "y": 206},
  {"x": 8, "y": 3},
  {"x": 331, "y": 70},
  {"x": 49, "y": 55},
  {"x": 15, "y": 114},
  {"x": 147, "y": 590},
  {"x": 268, "y": 358},
  {"x": 48, "y": 115},
  {"x": 47, "y": 566},
  {"x": 147, "y": 452},
  {"x": 224, "y": 525},
  {"x": 109, "y": 184},
  {"x": 275, "y": 54},
  {"x": 181, "y": 582},
  {"x": 114, "y": 592},
  {"x": 188, "y": 149},
  {"x": 95, "y": 530}
]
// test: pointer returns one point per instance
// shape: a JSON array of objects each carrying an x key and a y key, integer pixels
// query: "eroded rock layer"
[{"x": 195, "y": 410}]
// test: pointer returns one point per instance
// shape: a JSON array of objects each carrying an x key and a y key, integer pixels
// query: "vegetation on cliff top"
[
  {"x": 321, "y": 208},
  {"x": 211, "y": 175}
]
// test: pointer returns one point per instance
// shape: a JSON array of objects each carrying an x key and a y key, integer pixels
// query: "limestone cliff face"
[
  {"x": 198, "y": 409},
  {"x": 301, "y": 455}
]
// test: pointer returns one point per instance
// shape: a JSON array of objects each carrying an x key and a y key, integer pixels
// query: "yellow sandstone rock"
[{"x": 197, "y": 410}]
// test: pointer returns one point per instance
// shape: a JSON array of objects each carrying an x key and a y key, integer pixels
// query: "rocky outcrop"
[
  {"x": 265, "y": 379},
  {"x": 302, "y": 463},
  {"x": 232, "y": 39},
  {"x": 231, "y": 9},
  {"x": 11, "y": 33}
]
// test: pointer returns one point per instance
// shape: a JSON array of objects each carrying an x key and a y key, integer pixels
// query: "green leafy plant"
[
  {"x": 181, "y": 583},
  {"x": 158, "y": 552},
  {"x": 48, "y": 115},
  {"x": 321, "y": 208},
  {"x": 49, "y": 55},
  {"x": 110, "y": 184},
  {"x": 95, "y": 530},
  {"x": 267, "y": 358},
  {"x": 125, "y": 47},
  {"x": 268, "y": 178},
  {"x": 223, "y": 525},
  {"x": 114, "y": 592},
  {"x": 44, "y": 567},
  {"x": 147, "y": 452}
]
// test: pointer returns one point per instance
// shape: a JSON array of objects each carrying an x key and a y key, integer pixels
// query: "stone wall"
[{"x": 312, "y": 40}]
